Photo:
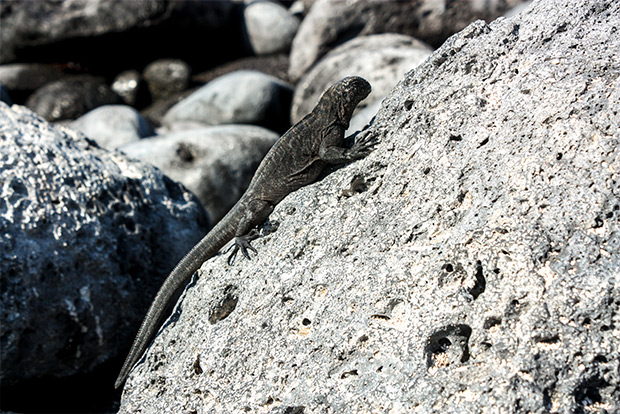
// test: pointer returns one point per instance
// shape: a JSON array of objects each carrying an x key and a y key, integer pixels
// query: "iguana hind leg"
[
  {"x": 242, "y": 243},
  {"x": 257, "y": 211}
]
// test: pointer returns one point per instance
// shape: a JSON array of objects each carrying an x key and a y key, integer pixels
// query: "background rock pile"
[
  {"x": 469, "y": 264},
  {"x": 122, "y": 71}
]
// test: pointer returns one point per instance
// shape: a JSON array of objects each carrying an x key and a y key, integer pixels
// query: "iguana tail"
[{"x": 217, "y": 238}]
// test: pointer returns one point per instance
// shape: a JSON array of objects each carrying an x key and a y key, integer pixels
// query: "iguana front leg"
[{"x": 365, "y": 142}]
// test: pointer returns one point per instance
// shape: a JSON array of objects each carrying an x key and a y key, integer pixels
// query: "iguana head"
[{"x": 343, "y": 96}]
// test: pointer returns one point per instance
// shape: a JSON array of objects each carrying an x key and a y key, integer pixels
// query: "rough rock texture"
[
  {"x": 269, "y": 27},
  {"x": 216, "y": 163},
  {"x": 470, "y": 264},
  {"x": 242, "y": 97},
  {"x": 115, "y": 33},
  {"x": 86, "y": 235},
  {"x": 71, "y": 97},
  {"x": 333, "y": 22},
  {"x": 166, "y": 77},
  {"x": 381, "y": 59},
  {"x": 113, "y": 125}
]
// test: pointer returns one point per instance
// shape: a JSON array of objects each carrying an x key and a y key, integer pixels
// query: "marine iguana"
[{"x": 297, "y": 159}]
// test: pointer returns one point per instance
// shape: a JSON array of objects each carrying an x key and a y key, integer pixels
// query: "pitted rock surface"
[
  {"x": 469, "y": 264},
  {"x": 86, "y": 235}
]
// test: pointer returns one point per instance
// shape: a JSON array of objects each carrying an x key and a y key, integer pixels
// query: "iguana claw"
[
  {"x": 365, "y": 142},
  {"x": 242, "y": 243}
]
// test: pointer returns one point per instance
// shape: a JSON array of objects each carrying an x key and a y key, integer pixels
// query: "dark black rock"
[
  {"x": 4, "y": 95},
  {"x": 113, "y": 35},
  {"x": 24, "y": 78},
  {"x": 274, "y": 65},
  {"x": 71, "y": 97}
]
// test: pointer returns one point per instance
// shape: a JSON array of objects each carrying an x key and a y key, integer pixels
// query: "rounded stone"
[
  {"x": 381, "y": 59},
  {"x": 70, "y": 97},
  {"x": 241, "y": 97},
  {"x": 269, "y": 27},
  {"x": 216, "y": 162},
  {"x": 130, "y": 86},
  {"x": 113, "y": 125}
]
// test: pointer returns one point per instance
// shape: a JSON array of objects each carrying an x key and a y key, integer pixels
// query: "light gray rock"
[
  {"x": 298, "y": 9},
  {"x": 333, "y": 22},
  {"x": 241, "y": 97},
  {"x": 180, "y": 126},
  {"x": 113, "y": 125},
  {"x": 470, "y": 264},
  {"x": 86, "y": 236},
  {"x": 216, "y": 163},
  {"x": 71, "y": 97},
  {"x": 381, "y": 59},
  {"x": 518, "y": 9},
  {"x": 363, "y": 117},
  {"x": 166, "y": 77},
  {"x": 269, "y": 27}
]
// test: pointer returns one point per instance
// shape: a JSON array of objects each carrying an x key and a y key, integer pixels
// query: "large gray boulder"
[
  {"x": 113, "y": 125},
  {"x": 470, "y": 264},
  {"x": 381, "y": 59},
  {"x": 86, "y": 236},
  {"x": 216, "y": 162},
  {"x": 241, "y": 97},
  {"x": 333, "y": 22}
]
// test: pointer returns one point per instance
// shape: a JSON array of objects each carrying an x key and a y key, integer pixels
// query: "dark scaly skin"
[{"x": 297, "y": 159}]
